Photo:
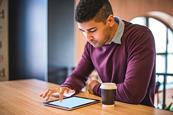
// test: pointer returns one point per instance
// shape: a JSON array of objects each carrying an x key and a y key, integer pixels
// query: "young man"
[{"x": 121, "y": 52}]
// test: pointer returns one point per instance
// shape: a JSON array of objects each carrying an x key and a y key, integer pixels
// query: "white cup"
[{"x": 108, "y": 91}]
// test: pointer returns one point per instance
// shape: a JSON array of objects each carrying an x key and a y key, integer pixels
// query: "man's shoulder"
[
  {"x": 135, "y": 27},
  {"x": 136, "y": 33}
]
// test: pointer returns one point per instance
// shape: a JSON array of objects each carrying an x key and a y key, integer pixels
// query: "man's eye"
[
  {"x": 94, "y": 30},
  {"x": 81, "y": 30}
]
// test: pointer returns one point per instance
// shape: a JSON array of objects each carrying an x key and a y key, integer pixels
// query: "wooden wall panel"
[{"x": 4, "y": 40}]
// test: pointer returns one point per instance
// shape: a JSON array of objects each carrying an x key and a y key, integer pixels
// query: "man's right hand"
[{"x": 51, "y": 91}]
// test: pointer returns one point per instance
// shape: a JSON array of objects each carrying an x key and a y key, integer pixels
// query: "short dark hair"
[{"x": 87, "y": 10}]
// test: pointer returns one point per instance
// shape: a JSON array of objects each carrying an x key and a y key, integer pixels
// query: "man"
[{"x": 121, "y": 52}]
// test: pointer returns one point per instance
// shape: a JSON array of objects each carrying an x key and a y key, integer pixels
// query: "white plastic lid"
[{"x": 108, "y": 86}]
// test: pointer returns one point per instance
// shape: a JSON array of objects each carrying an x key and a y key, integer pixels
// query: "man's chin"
[{"x": 96, "y": 45}]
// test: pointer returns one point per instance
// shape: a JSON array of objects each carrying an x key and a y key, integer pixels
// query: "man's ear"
[{"x": 110, "y": 20}]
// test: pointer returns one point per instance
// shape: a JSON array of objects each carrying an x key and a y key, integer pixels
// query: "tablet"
[{"x": 71, "y": 103}]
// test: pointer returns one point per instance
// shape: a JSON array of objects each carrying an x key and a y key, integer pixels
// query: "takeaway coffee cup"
[{"x": 108, "y": 91}]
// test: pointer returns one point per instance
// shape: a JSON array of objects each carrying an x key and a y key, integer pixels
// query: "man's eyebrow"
[
  {"x": 91, "y": 28},
  {"x": 88, "y": 29}
]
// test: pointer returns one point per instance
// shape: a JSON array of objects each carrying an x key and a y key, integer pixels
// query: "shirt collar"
[{"x": 119, "y": 32}]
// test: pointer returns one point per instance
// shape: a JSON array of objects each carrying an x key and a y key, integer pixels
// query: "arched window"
[{"x": 163, "y": 35}]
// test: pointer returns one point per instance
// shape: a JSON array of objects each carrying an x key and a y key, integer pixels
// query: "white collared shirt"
[{"x": 119, "y": 32}]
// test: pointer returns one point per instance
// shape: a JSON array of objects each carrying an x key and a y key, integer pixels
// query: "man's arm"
[
  {"x": 141, "y": 64},
  {"x": 140, "y": 68},
  {"x": 79, "y": 76},
  {"x": 75, "y": 81}
]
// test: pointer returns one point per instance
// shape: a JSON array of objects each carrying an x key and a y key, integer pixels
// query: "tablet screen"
[{"x": 72, "y": 102}]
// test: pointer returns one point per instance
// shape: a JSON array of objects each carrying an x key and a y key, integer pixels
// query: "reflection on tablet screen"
[{"x": 72, "y": 102}]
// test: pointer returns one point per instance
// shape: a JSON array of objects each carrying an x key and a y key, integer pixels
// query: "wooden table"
[{"x": 21, "y": 97}]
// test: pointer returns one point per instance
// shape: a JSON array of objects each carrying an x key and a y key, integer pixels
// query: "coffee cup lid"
[{"x": 108, "y": 86}]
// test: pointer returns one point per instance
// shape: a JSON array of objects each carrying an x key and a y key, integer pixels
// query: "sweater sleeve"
[
  {"x": 140, "y": 67},
  {"x": 77, "y": 79}
]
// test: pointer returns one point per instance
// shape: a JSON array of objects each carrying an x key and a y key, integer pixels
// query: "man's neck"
[{"x": 113, "y": 32}]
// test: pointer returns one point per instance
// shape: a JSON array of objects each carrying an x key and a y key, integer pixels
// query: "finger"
[
  {"x": 48, "y": 95},
  {"x": 41, "y": 94},
  {"x": 45, "y": 93},
  {"x": 61, "y": 93},
  {"x": 66, "y": 90},
  {"x": 55, "y": 94}
]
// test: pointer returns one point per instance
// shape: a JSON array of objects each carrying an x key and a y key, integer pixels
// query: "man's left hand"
[{"x": 91, "y": 84}]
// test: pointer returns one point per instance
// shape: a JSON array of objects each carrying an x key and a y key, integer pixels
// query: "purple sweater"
[{"x": 131, "y": 65}]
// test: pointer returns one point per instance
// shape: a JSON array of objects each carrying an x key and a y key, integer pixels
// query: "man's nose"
[{"x": 89, "y": 36}]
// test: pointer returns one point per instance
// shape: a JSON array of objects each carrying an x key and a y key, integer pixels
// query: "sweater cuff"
[{"x": 96, "y": 90}]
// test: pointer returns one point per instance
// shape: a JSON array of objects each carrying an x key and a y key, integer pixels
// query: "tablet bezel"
[{"x": 76, "y": 107}]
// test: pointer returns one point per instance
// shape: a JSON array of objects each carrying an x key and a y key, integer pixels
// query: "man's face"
[{"x": 96, "y": 33}]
